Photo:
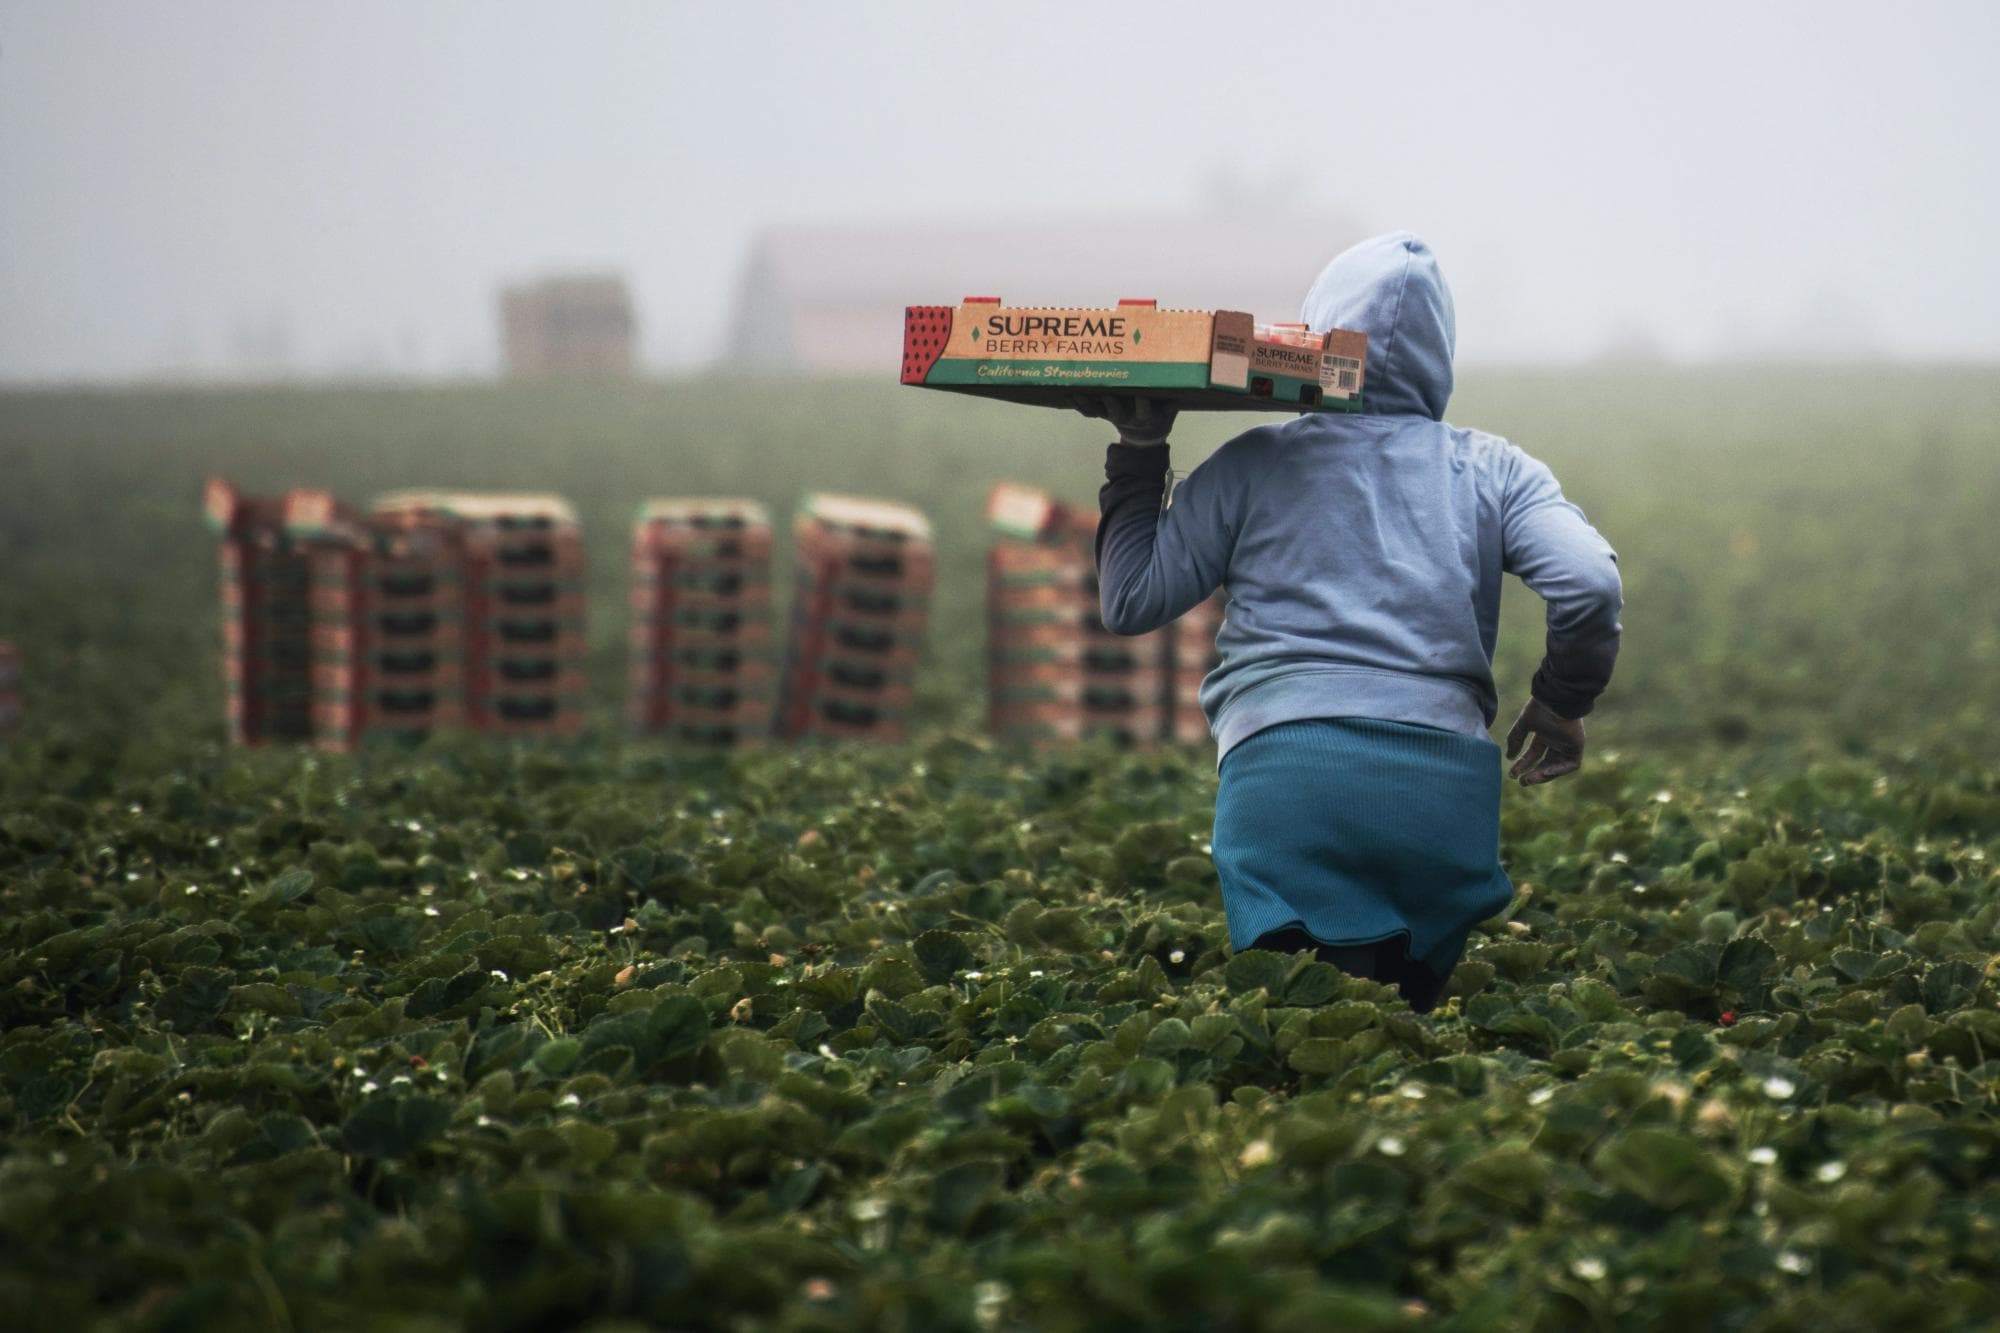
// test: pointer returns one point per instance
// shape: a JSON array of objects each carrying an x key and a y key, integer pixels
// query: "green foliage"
[{"x": 464, "y": 1034}]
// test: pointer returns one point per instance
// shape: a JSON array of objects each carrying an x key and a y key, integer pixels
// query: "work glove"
[
  {"x": 1139, "y": 421},
  {"x": 1554, "y": 744}
]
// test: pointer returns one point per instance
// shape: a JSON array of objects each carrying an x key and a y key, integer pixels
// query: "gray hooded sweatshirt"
[{"x": 1363, "y": 553}]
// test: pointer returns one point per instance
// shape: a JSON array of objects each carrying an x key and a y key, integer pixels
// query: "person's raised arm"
[
  {"x": 1152, "y": 567},
  {"x": 1549, "y": 544}
]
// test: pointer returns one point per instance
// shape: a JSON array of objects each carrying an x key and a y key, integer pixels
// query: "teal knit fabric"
[{"x": 1360, "y": 830}]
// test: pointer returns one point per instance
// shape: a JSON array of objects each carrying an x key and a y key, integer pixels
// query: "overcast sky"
[{"x": 205, "y": 187}]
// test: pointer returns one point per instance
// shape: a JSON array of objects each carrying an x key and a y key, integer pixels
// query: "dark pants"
[{"x": 1385, "y": 961}]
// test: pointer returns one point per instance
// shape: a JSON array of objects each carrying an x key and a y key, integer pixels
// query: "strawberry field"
[{"x": 948, "y": 1036}]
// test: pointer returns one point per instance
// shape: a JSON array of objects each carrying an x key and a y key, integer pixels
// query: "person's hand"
[
  {"x": 1139, "y": 421},
  {"x": 1554, "y": 744}
]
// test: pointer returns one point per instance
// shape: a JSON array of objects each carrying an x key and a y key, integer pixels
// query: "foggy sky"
[{"x": 273, "y": 187}]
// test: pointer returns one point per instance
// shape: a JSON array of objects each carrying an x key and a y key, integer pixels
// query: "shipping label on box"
[{"x": 1287, "y": 363}]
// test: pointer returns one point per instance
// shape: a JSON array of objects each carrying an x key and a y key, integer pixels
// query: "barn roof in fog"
[{"x": 829, "y": 299}]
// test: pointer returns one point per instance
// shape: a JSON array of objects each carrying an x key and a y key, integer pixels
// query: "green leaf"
[
  {"x": 1512, "y": 1175},
  {"x": 941, "y": 955},
  {"x": 1665, "y": 1170},
  {"x": 1867, "y": 968},
  {"x": 394, "y": 1127},
  {"x": 289, "y": 886},
  {"x": 960, "y": 1192},
  {"x": 1256, "y": 969},
  {"x": 553, "y": 1059},
  {"x": 265, "y": 997},
  {"x": 1746, "y": 967},
  {"x": 1319, "y": 1055},
  {"x": 1951, "y": 985},
  {"x": 1314, "y": 984}
]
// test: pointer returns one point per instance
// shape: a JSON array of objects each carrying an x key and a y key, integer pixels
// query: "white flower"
[
  {"x": 1541, "y": 1096},
  {"x": 193, "y": 889},
  {"x": 1663, "y": 796},
  {"x": 441, "y": 1076},
  {"x": 987, "y": 1299},
  {"x": 486, "y": 1122},
  {"x": 371, "y": 1086},
  {"x": 1177, "y": 956},
  {"x": 569, "y": 1099},
  {"x": 975, "y": 976},
  {"x": 1208, "y": 849},
  {"x": 431, "y": 911},
  {"x": 1828, "y": 1172},
  {"x": 358, "y": 1072},
  {"x": 215, "y": 840},
  {"x": 399, "y": 1079},
  {"x": 1414, "y": 1091},
  {"x": 1764, "y": 1155},
  {"x": 827, "y": 1052},
  {"x": 1791, "y": 1261},
  {"x": 1778, "y": 1087},
  {"x": 1638, "y": 888},
  {"x": 1590, "y": 1268},
  {"x": 1255, "y": 1153},
  {"x": 498, "y": 975},
  {"x": 1620, "y": 858},
  {"x": 868, "y": 1209},
  {"x": 1390, "y": 1146},
  {"x": 413, "y": 826}
]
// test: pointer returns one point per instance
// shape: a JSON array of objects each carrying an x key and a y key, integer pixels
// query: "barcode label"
[{"x": 1346, "y": 373}]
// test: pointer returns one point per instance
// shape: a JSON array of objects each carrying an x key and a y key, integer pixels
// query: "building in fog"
[
  {"x": 567, "y": 325},
  {"x": 829, "y": 300}
]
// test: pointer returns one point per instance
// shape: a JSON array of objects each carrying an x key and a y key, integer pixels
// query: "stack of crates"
[
  {"x": 10, "y": 687},
  {"x": 388, "y": 635},
  {"x": 701, "y": 624},
  {"x": 1054, "y": 673},
  {"x": 266, "y": 619},
  {"x": 865, "y": 569},
  {"x": 1195, "y": 656},
  {"x": 524, "y": 596}
]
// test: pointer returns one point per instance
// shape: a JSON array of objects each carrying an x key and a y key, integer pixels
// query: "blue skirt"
[{"x": 1360, "y": 831}]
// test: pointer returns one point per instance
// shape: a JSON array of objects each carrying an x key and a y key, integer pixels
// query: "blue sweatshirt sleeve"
[
  {"x": 1153, "y": 567},
  {"x": 1551, "y": 546}
]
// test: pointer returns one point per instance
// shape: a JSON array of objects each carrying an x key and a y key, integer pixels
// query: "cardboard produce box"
[{"x": 1215, "y": 361}]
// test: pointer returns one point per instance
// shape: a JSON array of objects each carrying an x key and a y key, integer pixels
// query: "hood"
[{"x": 1389, "y": 288}]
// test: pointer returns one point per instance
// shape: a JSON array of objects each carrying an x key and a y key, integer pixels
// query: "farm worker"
[{"x": 1358, "y": 814}]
